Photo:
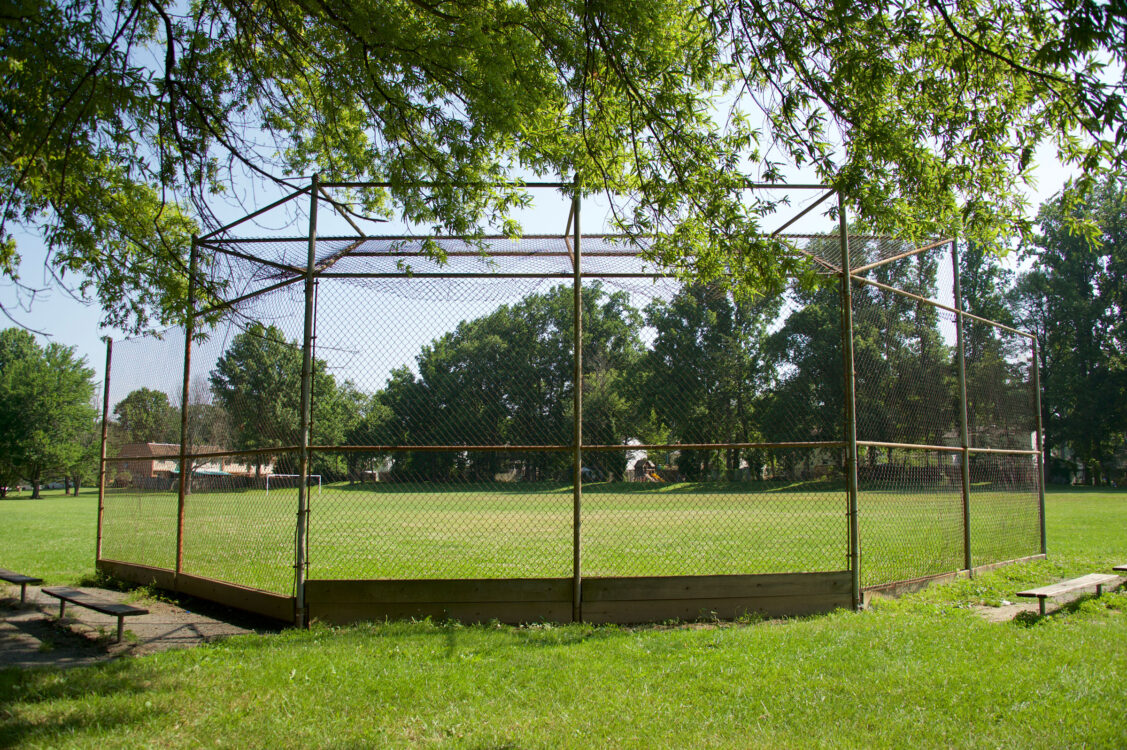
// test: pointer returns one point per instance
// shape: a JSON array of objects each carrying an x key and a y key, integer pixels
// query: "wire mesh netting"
[
  {"x": 908, "y": 393},
  {"x": 239, "y": 529},
  {"x": 431, "y": 522},
  {"x": 911, "y": 507},
  {"x": 141, "y": 499},
  {"x": 1004, "y": 505},
  {"x": 443, "y": 419},
  {"x": 1001, "y": 402},
  {"x": 792, "y": 519}
]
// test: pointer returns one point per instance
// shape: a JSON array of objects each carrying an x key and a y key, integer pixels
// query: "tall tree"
[
  {"x": 257, "y": 385},
  {"x": 1071, "y": 299},
  {"x": 16, "y": 347},
  {"x": 705, "y": 376},
  {"x": 45, "y": 395},
  {"x": 999, "y": 381},
  {"x": 147, "y": 416},
  {"x": 506, "y": 378},
  {"x": 118, "y": 119}
]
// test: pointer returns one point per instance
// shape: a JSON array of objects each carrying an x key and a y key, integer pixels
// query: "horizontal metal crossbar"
[
  {"x": 900, "y": 256},
  {"x": 945, "y": 448},
  {"x": 940, "y": 305}
]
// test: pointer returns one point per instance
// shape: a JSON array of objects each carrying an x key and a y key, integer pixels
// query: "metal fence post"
[
  {"x": 964, "y": 426},
  {"x": 577, "y": 437},
  {"x": 185, "y": 471},
  {"x": 102, "y": 452},
  {"x": 1036, "y": 365},
  {"x": 849, "y": 377},
  {"x": 300, "y": 561}
]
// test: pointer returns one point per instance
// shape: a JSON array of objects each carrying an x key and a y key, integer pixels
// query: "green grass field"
[
  {"x": 923, "y": 671},
  {"x": 525, "y": 530}
]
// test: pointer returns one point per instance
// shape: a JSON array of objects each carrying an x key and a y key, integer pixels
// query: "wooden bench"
[
  {"x": 1099, "y": 580},
  {"x": 106, "y": 607},
  {"x": 1121, "y": 567},
  {"x": 22, "y": 580}
]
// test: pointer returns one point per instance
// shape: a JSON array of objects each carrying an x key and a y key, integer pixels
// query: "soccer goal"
[{"x": 294, "y": 479}]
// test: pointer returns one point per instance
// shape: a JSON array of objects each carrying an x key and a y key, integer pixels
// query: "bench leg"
[
  {"x": 62, "y": 608},
  {"x": 23, "y": 594},
  {"x": 1099, "y": 589},
  {"x": 120, "y": 623},
  {"x": 1041, "y": 601}
]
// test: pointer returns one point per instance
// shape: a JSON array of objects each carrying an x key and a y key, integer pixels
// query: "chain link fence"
[{"x": 442, "y": 410}]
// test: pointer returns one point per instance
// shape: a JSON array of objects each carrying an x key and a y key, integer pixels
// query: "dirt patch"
[
  {"x": 1006, "y": 612},
  {"x": 1029, "y": 608},
  {"x": 33, "y": 635}
]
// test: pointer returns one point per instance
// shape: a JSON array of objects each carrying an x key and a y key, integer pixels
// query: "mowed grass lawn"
[{"x": 923, "y": 671}]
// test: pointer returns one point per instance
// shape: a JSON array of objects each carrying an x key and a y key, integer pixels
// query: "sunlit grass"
[{"x": 518, "y": 530}]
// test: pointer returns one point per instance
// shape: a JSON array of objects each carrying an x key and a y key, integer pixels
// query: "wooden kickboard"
[
  {"x": 1073, "y": 584},
  {"x": 17, "y": 578},
  {"x": 90, "y": 601}
]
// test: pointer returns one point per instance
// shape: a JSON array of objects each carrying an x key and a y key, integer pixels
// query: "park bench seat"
[
  {"x": 1122, "y": 567},
  {"x": 1099, "y": 580},
  {"x": 90, "y": 601},
  {"x": 20, "y": 579}
]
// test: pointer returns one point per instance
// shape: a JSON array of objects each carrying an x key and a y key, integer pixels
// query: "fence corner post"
[
  {"x": 577, "y": 437},
  {"x": 1040, "y": 447},
  {"x": 849, "y": 377},
  {"x": 301, "y": 532},
  {"x": 964, "y": 418},
  {"x": 102, "y": 450},
  {"x": 185, "y": 486}
]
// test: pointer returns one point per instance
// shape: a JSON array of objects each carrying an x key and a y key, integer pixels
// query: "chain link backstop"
[{"x": 361, "y": 423}]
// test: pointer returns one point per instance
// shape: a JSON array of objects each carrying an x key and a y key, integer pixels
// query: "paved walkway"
[{"x": 32, "y": 636}]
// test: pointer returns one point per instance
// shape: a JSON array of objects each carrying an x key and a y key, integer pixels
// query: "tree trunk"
[
  {"x": 35, "y": 491},
  {"x": 66, "y": 485},
  {"x": 76, "y": 485}
]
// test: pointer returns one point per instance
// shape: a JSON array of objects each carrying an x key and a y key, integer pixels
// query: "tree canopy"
[
  {"x": 119, "y": 121},
  {"x": 1073, "y": 298},
  {"x": 256, "y": 389},
  {"x": 46, "y": 418},
  {"x": 147, "y": 416}
]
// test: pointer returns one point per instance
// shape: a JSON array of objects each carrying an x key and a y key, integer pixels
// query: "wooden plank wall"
[
  {"x": 277, "y": 606},
  {"x": 513, "y": 600},
  {"x": 605, "y": 600},
  {"x": 631, "y": 600}
]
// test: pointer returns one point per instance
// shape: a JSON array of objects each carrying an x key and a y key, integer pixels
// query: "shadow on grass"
[
  {"x": 100, "y": 580},
  {"x": 22, "y": 690},
  {"x": 494, "y": 636},
  {"x": 1033, "y": 618}
]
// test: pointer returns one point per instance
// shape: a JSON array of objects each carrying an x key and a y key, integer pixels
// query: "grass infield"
[{"x": 524, "y": 530}]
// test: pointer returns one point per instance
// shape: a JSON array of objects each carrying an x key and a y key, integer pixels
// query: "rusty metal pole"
[
  {"x": 185, "y": 469},
  {"x": 1040, "y": 448},
  {"x": 102, "y": 453},
  {"x": 577, "y": 437},
  {"x": 850, "y": 406},
  {"x": 300, "y": 561},
  {"x": 964, "y": 421}
]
